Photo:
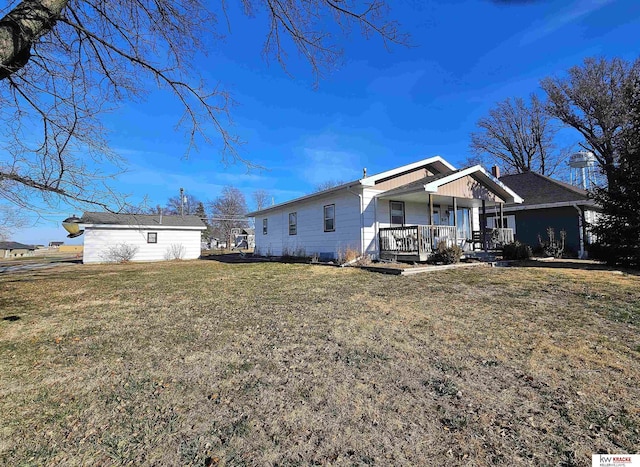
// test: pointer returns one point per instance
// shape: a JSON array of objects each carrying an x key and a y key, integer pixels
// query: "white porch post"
[
  {"x": 483, "y": 226},
  {"x": 455, "y": 220},
  {"x": 431, "y": 232},
  {"x": 430, "y": 209}
]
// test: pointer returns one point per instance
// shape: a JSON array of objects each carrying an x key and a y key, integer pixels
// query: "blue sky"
[{"x": 378, "y": 109}]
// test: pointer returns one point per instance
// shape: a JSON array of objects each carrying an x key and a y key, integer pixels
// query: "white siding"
[
  {"x": 310, "y": 237},
  {"x": 378, "y": 210},
  {"x": 414, "y": 213},
  {"x": 97, "y": 242},
  {"x": 591, "y": 217},
  {"x": 370, "y": 217}
]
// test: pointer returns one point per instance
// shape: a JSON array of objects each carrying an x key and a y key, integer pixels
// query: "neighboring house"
[
  {"x": 245, "y": 238},
  {"x": 548, "y": 203},
  {"x": 156, "y": 237},
  {"x": 402, "y": 213},
  {"x": 15, "y": 250},
  {"x": 55, "y": 244}
]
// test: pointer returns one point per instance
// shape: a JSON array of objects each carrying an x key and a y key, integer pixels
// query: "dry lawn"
[{"x": 204, "y": 363}]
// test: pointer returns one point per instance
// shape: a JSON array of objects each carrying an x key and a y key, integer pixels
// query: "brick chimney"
[{"x": 495, "y": 171}]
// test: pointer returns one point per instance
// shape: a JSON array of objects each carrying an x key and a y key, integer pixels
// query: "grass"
[{"x": 204, "y": 363}]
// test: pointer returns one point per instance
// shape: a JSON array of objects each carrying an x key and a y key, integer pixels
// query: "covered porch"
[
  {"x": 443, "y": 209},
  {"x": 418, "y": 242}
]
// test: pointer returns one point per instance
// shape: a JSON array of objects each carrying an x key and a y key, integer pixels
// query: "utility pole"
[{"x": 182, "y": 201}]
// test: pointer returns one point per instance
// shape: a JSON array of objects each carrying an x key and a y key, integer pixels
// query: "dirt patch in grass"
[{"x": 205, "y": 363}]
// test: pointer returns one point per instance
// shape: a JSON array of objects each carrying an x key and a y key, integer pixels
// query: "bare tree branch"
[
  {"x": 63, "y": 63},
  {"x": 590, "y": 99},
  {"x": 518, "y": 136}
]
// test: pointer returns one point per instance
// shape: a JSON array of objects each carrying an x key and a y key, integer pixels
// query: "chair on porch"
[{"x": 476, "y": 237}]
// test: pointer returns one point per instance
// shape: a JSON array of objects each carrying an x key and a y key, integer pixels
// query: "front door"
[{"x": 440, "y": 216}]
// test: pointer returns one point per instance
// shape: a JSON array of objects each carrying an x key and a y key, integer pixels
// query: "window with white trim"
[
  {"x": 330, "y": 218},
  {"x": 509, "y": 222},
  {"x": 152, "y": 237},
  {"x": 293, "y": 223},
  {"x": 396, "y": 211}
]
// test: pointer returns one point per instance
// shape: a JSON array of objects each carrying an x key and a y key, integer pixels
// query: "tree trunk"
[{"x": 21, "y": 27}]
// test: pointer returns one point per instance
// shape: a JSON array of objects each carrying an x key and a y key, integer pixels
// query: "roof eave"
[
  {"x": 558, "y": 204},
  {"x": 144, "y": 226},
  {"x": 371, "y": 180},
  {"x": 306, "y": 198},
  {"x": 475, "y": 169}
]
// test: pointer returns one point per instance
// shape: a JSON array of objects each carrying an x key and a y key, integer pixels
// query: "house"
[
  {"x": 55, "y": 244},
  {"x": 402, "y": 213},
  {"x": 15, "y": 250},
  {"x": 244, "y": 238},
  {"x": 548, "y": 203},
  {"x": 152, "y": 237}
]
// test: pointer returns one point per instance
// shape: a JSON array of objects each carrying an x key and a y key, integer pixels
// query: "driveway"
[{"x": 8, "y": 267}]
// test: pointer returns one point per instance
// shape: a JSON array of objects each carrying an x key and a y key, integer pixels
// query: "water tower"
[{"x": 583, "y": 169}]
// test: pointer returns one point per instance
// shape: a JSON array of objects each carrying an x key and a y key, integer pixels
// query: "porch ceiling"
[{"x": 423, "y": 198}]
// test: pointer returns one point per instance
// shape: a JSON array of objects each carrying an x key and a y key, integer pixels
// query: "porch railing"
[
  {"x": 499, "y": 237},
  {"x": 432, "y": 235},
  {"x": 399, "y": 239},
  {"x": 422, "y": 240},
  {"x": 416, "y": 238}
]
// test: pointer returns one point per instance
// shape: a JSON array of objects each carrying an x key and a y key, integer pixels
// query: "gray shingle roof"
[
  {"x": 540, "y": 189},
  {"x": 15, "y": 246},
  {"x": 141, "y": 219}
]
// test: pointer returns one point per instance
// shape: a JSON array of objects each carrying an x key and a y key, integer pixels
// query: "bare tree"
[
  {"x": 591, "y": 100},
  {"x": 328, "y": 184},
  {"x": 261, "y": 198},
  {"x": 141, "y": 208},
  {"x": 64, "y": 62},
  {"x": 188, "y": 206},
  {"x": 228, "y": 212},
  {"x": 11, "y": 218},
  {"x": 517, "y": 136}
]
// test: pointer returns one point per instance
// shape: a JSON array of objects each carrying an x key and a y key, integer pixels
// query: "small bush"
[
  {"x": 446, "y": 254},
  {"x": 121, "y": 253},
  {"x": 346, "y": 255},
  {"x": 175, "y": 251},
  {"x": 516, "y": 250},
  {"x": 552, "y": 246}
]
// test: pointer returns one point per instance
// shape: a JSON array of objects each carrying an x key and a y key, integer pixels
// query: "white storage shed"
[{"x": 152, "y": 237}]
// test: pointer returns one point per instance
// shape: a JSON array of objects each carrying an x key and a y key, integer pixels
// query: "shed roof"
[
  {"x": 137, "y": 220},
  {"x": 540, "y": 189}
]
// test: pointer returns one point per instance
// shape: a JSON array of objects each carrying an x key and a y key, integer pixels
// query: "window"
[
  {"x": 330, "y": 218},
  {"x": 264, "y": 226},
  {"x": 152, "y": 237},
  {"x": 397, "y": 212},
  {"x": 293, "y": 223},
  {"x": 509, "y": 222}
]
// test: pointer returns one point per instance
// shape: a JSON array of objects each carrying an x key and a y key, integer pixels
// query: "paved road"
[{"x": 12, "y": 267}]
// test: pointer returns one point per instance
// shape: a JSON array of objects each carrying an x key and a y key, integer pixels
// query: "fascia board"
[{"x": 142, "y": 227}]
